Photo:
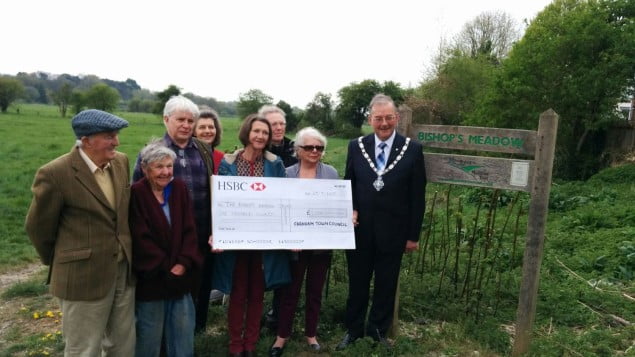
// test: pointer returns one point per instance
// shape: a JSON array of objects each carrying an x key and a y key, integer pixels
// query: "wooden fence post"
[
  {"x": 537, "y": 219},
  {"x": 403, "y": 128}
]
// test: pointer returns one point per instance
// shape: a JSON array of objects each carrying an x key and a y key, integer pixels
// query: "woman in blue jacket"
[{"x": 246, "y": 274}]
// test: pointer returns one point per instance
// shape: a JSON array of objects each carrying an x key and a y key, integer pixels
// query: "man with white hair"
[{"x": 388, "y": 180}]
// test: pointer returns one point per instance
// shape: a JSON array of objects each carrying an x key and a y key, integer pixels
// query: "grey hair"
[
  {"x": 380, "y": 99},
  {"x": 268, "y": 108},
  {"x": 306, "y": 133},
  {"x": 180, "y": 103},
  {"x": 154, "y": 151},
  {"x": 79, "y": 143}
]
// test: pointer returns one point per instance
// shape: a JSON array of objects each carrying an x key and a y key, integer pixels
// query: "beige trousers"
[{"x": 103, "y": 327}]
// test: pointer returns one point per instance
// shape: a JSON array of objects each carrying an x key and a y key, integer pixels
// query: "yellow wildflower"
[
  {"x": 36, "y": 315},
  {"x": 50, "y": 314}
]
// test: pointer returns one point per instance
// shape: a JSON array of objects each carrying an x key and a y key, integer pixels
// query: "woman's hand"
[
  {"x": 210, "y": 241},
  {"x": 178, "y": 269},
  {"x": 355, "y": 222}
]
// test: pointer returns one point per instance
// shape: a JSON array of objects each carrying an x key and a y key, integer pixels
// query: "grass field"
[{"x": 586, "y": 303}]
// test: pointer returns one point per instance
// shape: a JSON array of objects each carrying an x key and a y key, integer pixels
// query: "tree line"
[
  {"x": 576, "y": 57},
  {"x": 73, "y": 93}
]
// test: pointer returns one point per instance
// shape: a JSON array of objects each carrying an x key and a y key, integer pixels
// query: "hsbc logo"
[
  {"x": 258, "y": 186},
  {"x": 232, "y": 186},
  {"x": 240, "y": 186}
]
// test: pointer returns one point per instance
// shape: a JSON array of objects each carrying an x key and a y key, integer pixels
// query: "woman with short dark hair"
[
  {"x": 207, "y": 129},
  {"x": 245, "y": 274}
]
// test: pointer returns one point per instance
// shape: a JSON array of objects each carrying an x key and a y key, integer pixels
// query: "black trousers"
[
  {"x": 362, "y": 265},
  {"x": 201, "y": 297}
]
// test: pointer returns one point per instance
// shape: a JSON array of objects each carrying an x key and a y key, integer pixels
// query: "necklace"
[{"x": 378, "y": 184}]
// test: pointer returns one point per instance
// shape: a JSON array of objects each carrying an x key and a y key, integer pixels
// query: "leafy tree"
[
  {"x": 62, "y": 97},
  {"x": 142, "y": 101},
  {"x": 164, "y": 96},
  {"x": 102, "y": 97},
  {"x": 78, "y": 101},
  {"x": 354, "y": 99},
  {"x": 490, "y": 34},
  {"x": 35, "y": 84},
  {"x": 291, "y": 116},
  {"x": 464, "y": 70},
  {"x": 578, "y": 58},
  {"x": 10, "y": 90},
  {"x": 31, "y": 94},
  {"x": 456, "y": 86},
  {"x": 125, "y": 89},
  {"x": 319, "y": 113},
  {"x": 251, "y": 101}
]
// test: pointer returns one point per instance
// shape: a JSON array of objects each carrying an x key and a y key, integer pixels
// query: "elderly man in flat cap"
[{"x": 78, "y": 223}]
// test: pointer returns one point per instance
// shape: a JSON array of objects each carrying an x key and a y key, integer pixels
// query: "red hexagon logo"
[{"x": 258, "y": 186}]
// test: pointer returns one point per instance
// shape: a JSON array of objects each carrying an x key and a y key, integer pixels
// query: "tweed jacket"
[{"x": 75, "y": 230}]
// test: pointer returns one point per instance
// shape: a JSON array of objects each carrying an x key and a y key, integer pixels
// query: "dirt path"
[{"x": 13, "y": 276}]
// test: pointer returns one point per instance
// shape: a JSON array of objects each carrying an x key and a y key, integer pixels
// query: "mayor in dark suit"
[
  {"x": 78, "y": 223},
  {"x": 388, "y": 181}
]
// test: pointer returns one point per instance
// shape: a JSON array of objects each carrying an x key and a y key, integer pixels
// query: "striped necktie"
[{"x": 381, "y": 158}]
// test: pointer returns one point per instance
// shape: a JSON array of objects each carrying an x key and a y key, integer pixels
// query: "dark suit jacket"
[
  {"x": 75, "y": 230},
  {"x": 390, "y": 217}
]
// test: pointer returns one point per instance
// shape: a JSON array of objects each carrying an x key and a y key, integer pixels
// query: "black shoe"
[
  {"x": 249, "y": 354},
  {"x": 276, "y": 351},
  {"x": 239, "y": 354},
  {"x": 270, "y": 321},
  {"x": 347, "y": 340},
  {"x": 379, "y": 338}
]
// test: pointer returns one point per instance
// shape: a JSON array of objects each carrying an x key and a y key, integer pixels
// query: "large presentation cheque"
[{"x": 281, "y": 213}]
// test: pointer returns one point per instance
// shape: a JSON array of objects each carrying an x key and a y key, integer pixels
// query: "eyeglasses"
[
  {"x": 310, "y": 148},
  {"x": 387, "y": 118}
]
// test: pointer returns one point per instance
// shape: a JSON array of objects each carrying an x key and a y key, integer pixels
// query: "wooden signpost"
[{"x": 531, "y": 175}]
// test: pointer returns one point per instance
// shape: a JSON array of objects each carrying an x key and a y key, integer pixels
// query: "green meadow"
[{"x": 458, "y": 293}]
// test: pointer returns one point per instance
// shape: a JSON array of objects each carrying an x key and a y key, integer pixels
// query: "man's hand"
[
  {"x": 411, "y": 246},
  {"x": 178, "y": 270},
  {"x": 210, "y": 241},
  {"x": 355, "y": 222}
]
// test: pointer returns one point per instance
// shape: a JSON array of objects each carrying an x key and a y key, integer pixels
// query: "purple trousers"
[{"x": 315, "y": 265}]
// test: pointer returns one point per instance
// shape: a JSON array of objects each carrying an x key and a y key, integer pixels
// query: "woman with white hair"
[
  {"x": 165, "y": 256},
  {"x": 309, "y": 147}
]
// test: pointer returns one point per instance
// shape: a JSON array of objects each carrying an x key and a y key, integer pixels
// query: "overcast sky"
[{"x": 289, "y": 49}]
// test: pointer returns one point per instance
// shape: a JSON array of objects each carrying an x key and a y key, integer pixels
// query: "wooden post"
[
  {"x": 538, "y": 206},
  {"x": 405, "y": 120},
  {"x": 403, "y": 127},
  {"x": 393, "y": 330}
]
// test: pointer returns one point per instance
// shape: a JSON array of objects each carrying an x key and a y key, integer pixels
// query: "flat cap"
[{"x": 93, "y": 121}]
